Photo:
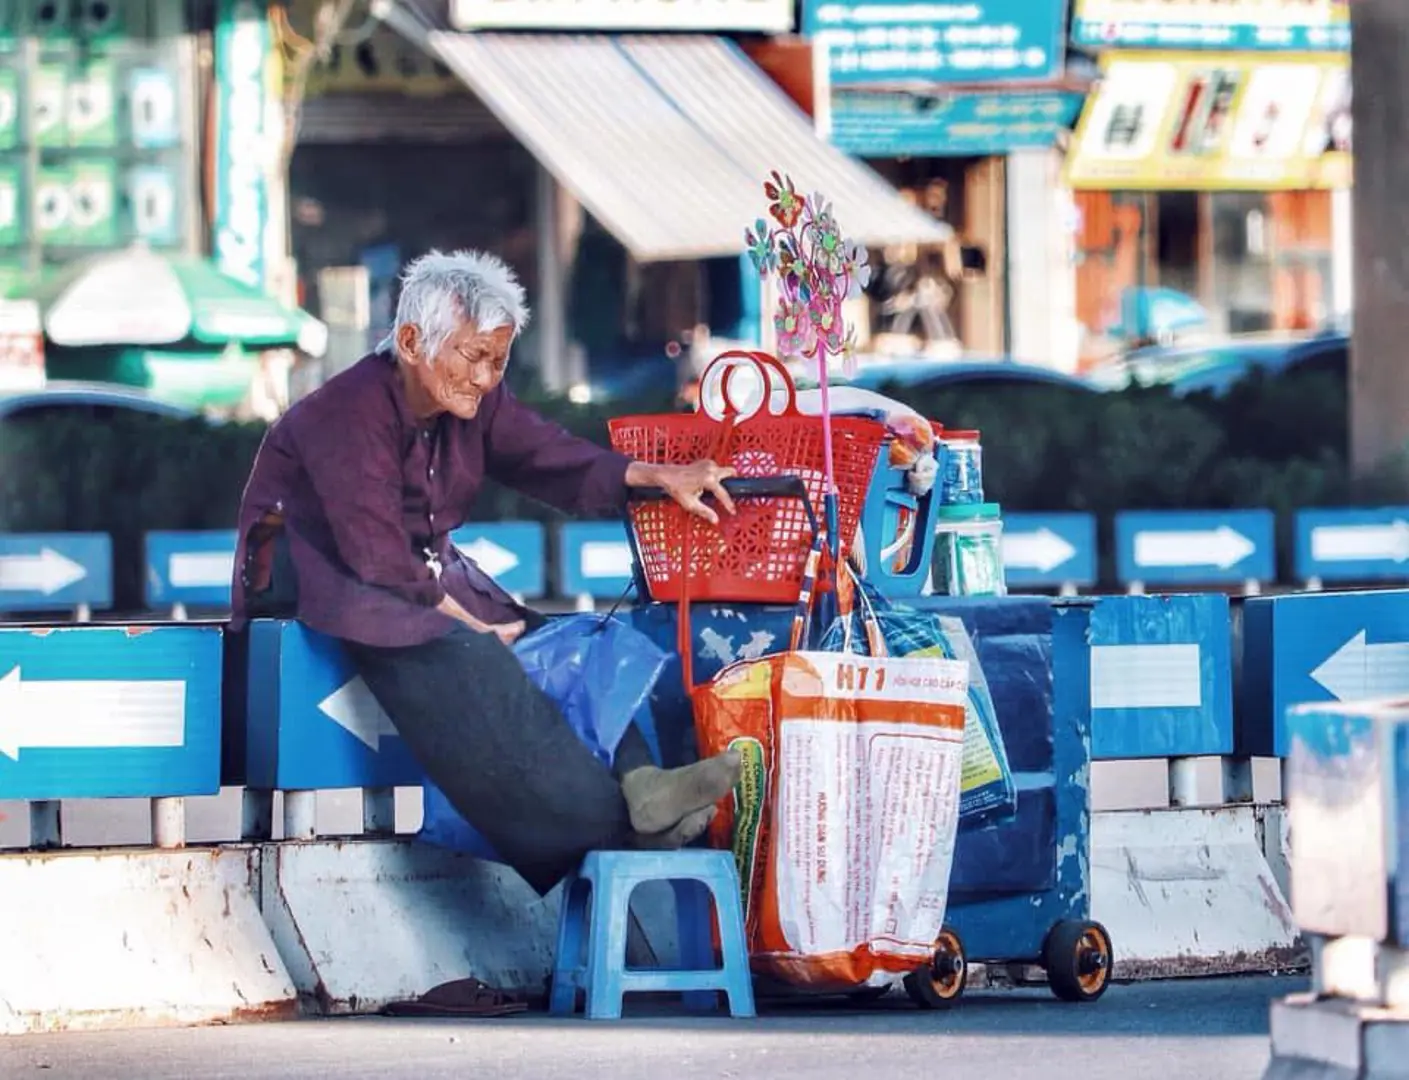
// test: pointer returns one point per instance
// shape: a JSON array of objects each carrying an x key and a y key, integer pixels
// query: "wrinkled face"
[{"x": 468, "y": 366}]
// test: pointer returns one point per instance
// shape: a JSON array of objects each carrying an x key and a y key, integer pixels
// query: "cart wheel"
[
  {"x": 940, "y": 983},
  {"x": 1078, "y": 958}
]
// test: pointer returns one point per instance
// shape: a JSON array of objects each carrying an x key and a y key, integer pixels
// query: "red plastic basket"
[{"x": 757, "y": 555}]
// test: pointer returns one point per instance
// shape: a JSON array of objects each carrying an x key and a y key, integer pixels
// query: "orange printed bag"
[{"x": 844, "y": 822}]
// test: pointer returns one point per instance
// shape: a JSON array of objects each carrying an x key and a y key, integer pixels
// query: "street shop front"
[
  {"x": 1212, "y": 185},
  {"x": 963, "y": 108}
]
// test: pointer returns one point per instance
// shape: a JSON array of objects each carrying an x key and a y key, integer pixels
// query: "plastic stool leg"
[
  {"x": 693, "y": 923},
  {"x": 606, "y": 946},
  {"x": 738, "y": 980},
  {"x": 570, "y": 961}
]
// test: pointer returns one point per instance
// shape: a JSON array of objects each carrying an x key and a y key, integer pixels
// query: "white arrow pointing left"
[
  {"x": 1359, "y": 671},
  {"x": 46, "y": 573},
  {"x": 353, "y": 708},
  {"x": 1223, "y": 547},
  {"x": 90, "y": 714},
  {"x": 489, "y": 556},
  {"x": 200, "y": 569},
  {"x": 1041, "y": 550}
]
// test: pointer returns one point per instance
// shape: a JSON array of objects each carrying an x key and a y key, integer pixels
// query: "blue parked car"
[
  {"x": 1214, "y": 367},
  {"x": 942, "y": 374}
]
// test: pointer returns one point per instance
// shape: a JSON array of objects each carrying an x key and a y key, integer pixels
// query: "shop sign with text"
[
  {"x": 1216, "y": 121},
  {"x": 758, "y": 16},
  {"x": 967, "y": 41},
  {"x": 898, "y": 124},
  {"x": 242, "y": 51},
  {"x": 1299, "y": 25}
]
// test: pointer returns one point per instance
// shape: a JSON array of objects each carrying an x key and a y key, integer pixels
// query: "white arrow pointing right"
[
  {"x": 1223, "y": 547},
  {"x": 74, "y": 714},
  {"x": 354, "y": 709},
  {"x": 489, "y": 556},
  {"x": 1354, "y": 543},
  {"x": 1041, "y": 550},
  {"x": 200, "y": 569},
  {"x": 1359, "y": 671},
  {"x": 47, "y": 573},
  {"x": 606, "y": 559}
]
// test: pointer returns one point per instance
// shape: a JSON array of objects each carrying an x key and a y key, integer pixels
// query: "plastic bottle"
[
  {"x": 968, "y": 551},
  {"x": 961, "y": 469}
]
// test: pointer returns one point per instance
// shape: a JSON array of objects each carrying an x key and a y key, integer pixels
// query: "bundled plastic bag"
[
  {"x": 987, "y": 791},
  {"x": 844, "y": 823},
  {"x": 600, "y": 672}
]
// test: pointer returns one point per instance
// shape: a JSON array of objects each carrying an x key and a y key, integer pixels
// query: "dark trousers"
[{"x": 501, "y": 751}]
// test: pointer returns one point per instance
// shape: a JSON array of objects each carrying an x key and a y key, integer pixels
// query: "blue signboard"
[
  {"x": 892, "y": 123},
  {"x": 1235, "y": 25},
  {"x": 55, "y": 571},
  {"x": 190, "y": 568},
  {"x": 1318, "y": 647},
  {"x": 1353, "y": 545},
  {"x": 1049, "y": 549},
  {"x": 312, "y": 721},
  {"x": 110, "y": 712},
  {"x": 1161, "y": 677},
  {"x": 594, "y": 559},
  {"x": 1195, "y": 547},
  {"x": 511, "y": 552},
  {"x": 897, "y": 41}
]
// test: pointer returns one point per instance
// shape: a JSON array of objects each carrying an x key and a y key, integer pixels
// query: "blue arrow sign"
[
  {"x": 1049, "y": 549},
  {"x": 1195, "y": 547},
  {"x": 1353, "y": 545},
  {"x": 311, "y": 721},
  {"x": 1318, "y": 647},
  {"x": 511, "y": 552},
  {"x": 109, "y": 712},
  {"x": 195, "y": 568},
  {"x": 595, "y": 559},
  {"x": 1161, "y": 677},
  {"x": 55, "y": 571}
]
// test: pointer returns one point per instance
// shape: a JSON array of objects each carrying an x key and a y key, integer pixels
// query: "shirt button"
[{"x": 432, "y": 470}]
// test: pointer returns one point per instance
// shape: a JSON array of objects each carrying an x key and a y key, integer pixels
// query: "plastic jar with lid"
[
  {"x": 968, "y": 551},
  {"x": 961, "y": 470}
]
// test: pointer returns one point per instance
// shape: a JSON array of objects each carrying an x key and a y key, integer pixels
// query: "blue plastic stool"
[{"x": 597, "y": 899}]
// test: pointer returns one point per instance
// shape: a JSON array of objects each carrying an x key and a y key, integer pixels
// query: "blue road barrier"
[
  {"x": 1353, "y": 545},
  {"x": 511, "y": 552},
  {"x": 192, "y": 568},
  {"x": 1047, "y": 550},
  {"x": 110, "y": 712},
  {"x": 594, "y": 559},
  {"x": 1195, "y": 547},
  {"x": 55, "y": 571}
]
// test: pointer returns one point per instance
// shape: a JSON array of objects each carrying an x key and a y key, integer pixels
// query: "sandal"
[{"x": 460, "y": 997}]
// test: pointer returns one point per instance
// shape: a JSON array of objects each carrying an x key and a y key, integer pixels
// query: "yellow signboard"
[
  {"x": 1215, "y": 121},
  {"x": 1212, "y": 24}
]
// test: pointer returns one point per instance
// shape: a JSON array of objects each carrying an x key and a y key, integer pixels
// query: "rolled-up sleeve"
[
  {"x": 542, "y": 459},
  {"x": 355, "y": 472}
]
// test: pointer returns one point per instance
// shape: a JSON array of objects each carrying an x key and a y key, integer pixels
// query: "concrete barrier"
[
  {"x": 129, "y": 938},
  {"x": 1189, "y": 892}
]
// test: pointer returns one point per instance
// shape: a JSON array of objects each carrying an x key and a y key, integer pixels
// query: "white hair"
[{"x": 439, "y": 292}]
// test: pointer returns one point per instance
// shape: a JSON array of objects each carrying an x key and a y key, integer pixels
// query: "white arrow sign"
[
  {"x": 1222, "y": 547},
  {"x": 1355, "y": 543},
  {"x": 46, "y": 573},
  {"x": 353, "y": 708},
  {"x": 606, "y": 559},
  {"x": 1041, "y": 550},
  {"x": 489, "y": 556},
  {"x": 200, "y": 569},
  {"x": 74, "y": 714},
  {"x": 1145, "y": 677},
  {"x": 1359, "y": 671}
]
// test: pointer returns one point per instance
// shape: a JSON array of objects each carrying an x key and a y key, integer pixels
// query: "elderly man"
[{"x": 346, "y": 521}]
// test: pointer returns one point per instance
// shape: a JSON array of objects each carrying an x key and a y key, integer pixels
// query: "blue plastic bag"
[
  {"x": 600, "y": 672},
  {"x": 987, "y": 791}
]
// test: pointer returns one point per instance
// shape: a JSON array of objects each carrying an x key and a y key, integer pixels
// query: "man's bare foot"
[
  {"x": 659, "y": 798},
  {"x": 689, "y": 828}
]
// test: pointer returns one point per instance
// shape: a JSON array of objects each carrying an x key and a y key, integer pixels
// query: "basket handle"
[
  {"x": 754, "y": 487},
  {"x": 766, "y": 364}
]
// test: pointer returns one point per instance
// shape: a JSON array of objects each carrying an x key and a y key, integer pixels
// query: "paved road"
[{"x": 1207, "y": 1030}]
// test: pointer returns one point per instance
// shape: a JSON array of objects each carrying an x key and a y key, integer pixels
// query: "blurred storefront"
[
  {"x": 1212, "y": 169},
  {"x": 613, "y": 151},
  {"x": 963, "y": 107}
]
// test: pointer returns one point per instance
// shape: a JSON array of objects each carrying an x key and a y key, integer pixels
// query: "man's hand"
[
  {"x": 509, "y": 632},
  {"x": 687, "y": 485}
]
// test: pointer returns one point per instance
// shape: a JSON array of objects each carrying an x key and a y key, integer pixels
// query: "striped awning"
[{"x": 667, "y": 140}]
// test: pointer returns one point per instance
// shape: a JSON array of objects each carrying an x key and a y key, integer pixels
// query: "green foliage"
[{"x": 1274, "y": 443}]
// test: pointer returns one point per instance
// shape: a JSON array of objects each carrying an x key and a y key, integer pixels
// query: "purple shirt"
[{"x": 362, "y": 489}]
